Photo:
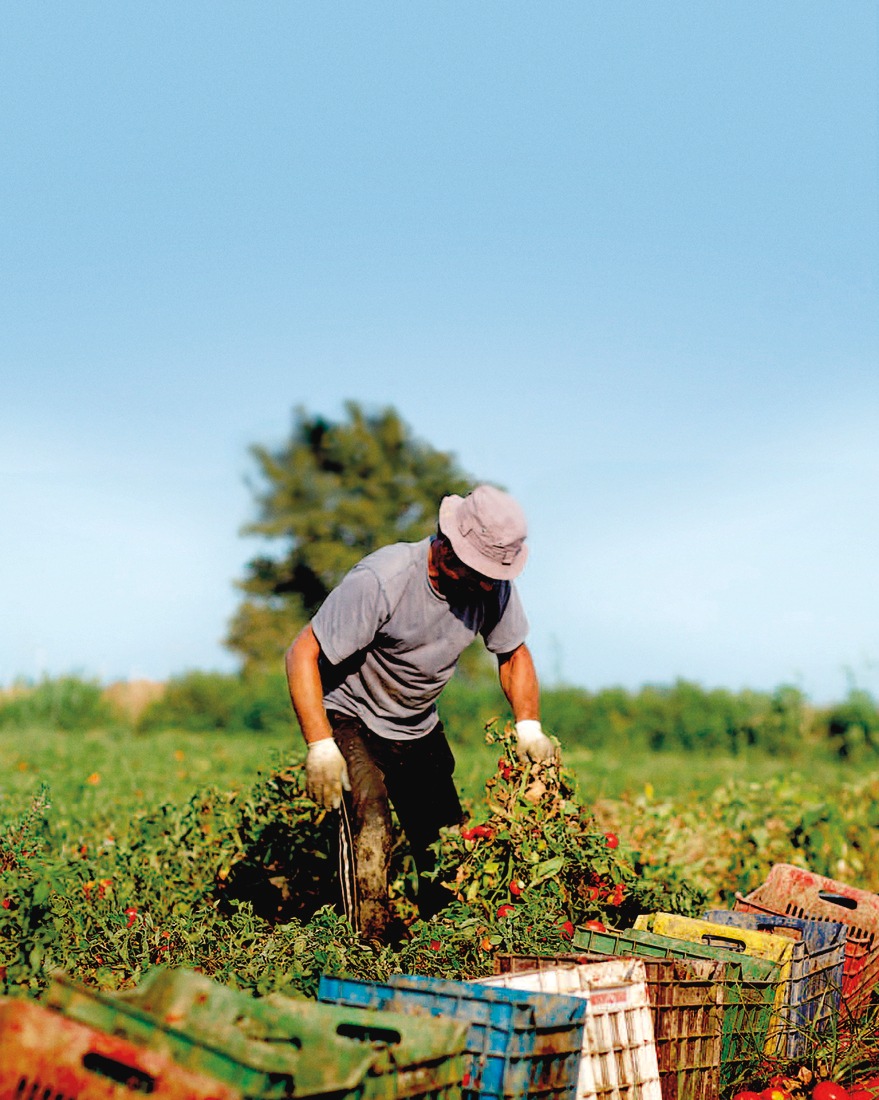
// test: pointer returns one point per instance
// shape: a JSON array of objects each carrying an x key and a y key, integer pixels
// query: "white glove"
[
  {"x": 325, "y": 773},
  {"x": 532, "y": 743}
]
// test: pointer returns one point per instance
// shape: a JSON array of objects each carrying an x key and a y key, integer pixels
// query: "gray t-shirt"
[{"x": 390, "y": 643}]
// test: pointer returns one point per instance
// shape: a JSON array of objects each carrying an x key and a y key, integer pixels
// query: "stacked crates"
[
  {"x": 618, "y": 1057},
  {"x": 519, "y": 1044},
  {"x": 686, "y": 1007},
  {"x": 748, "y": 988},
  {"x": 289, "y": 1048},
  {"x": 744, "y": 941},
  {"x": 793, "y": 891},
  {"x": 816, "y": 970}
]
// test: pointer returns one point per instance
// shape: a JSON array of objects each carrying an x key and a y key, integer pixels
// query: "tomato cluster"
[{"x": 539, "y": 848}]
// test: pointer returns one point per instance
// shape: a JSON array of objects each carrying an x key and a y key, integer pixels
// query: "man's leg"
[
  {"x": 365, "y": 838},
  {"x": 419, "y": 779}
]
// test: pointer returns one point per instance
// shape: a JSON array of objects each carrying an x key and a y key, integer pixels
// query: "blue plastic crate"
[
  {"x": 815, "y": 984},
  {"x": 519, "y": 1043}
]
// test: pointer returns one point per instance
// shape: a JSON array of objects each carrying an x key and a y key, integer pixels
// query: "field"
[{"x": 121, "y": 850}]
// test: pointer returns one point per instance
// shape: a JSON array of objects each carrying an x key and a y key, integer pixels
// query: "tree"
[{"x": 329, "y": 495}]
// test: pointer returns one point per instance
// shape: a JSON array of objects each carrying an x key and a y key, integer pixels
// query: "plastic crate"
[
  {"x": 796, "y": 892},
  {"x": 748, "y": 988},
  {"x": 296, "y": 1048},
  {"x": 519, "y": 1044},
  {"x": 815, "y": 981},
  {"x": 406, "y": 1060},
  {"x": 747, "y": 941},
  {"x": 226, "y": 1059},
  {"x": 44, "y": 1054},
  {"x": 686, "y": 1004},
  {"x": 618, "y": 1057}
]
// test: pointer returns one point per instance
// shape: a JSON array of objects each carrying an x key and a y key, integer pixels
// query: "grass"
[{"x": 102, "y": 772}]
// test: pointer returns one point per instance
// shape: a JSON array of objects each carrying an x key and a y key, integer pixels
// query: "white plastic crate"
[{"x": 618, "y": 1059}]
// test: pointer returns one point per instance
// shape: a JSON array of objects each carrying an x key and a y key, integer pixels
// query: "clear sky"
[{"x": 620, "y": 258}]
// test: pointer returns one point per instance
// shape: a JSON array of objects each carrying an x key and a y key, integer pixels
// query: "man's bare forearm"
[
  {"x": 306, "y": 690},
  {"x": 518, "y": 679}
]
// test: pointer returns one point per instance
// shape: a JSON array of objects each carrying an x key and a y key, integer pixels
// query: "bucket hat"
[{"x": 487, "y": 530}]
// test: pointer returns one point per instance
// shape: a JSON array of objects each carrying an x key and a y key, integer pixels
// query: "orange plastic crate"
[
  {"x": 44, "y": 1054},
  {"x": 796, "y": 892}
]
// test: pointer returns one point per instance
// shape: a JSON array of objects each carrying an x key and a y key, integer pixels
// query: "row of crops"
[
  {"x": 235, "y": 887},
  {"x": 674, "y": 1008}
]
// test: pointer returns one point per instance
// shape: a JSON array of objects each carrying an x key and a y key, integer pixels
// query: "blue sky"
[{"x": 619, "y": 258}]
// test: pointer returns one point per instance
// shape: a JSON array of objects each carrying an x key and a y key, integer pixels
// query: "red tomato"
[
  {"x": 865, "y": 1089},
  {"x": 516, "y": 887},
  {"x": 747, "y": 1094},
  {"x": 773, "y": 1093},
  {"x": 567, "y": 929},
  {"x": 829, "y": 1090},
  {"x": 611, "y": 840},
  {"x": 505, "y": 910},
  {"x": 595, "y": 926}
]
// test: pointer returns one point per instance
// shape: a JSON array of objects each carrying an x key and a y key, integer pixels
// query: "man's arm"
[
  {"x": 306, "y": 690},
  {"x": 325, "y": 770},
  {"x": 518, "y": 679}
]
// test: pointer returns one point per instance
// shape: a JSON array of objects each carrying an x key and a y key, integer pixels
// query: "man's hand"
[
  {"x": 533, "y": 744},
  {"x": 325, "y": 773}
]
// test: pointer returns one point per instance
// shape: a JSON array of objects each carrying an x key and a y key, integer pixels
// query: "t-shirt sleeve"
[
  {"x": 351, "y": 616},
  {"x": 511, "y": 626}
]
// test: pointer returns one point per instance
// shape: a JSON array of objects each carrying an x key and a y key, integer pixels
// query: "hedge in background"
[{"x": 679, "y": 717}]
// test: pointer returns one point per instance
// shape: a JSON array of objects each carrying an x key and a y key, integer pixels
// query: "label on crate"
[{"x": 609, "y": 998}]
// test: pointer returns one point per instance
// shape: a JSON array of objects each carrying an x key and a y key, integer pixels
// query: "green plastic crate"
[
  {"x": 749, "y": 987},
  {"x": 227, "y": 1062},
  {"x": 422, "y": 1059},
  {"x": 279, "y": 1046}
]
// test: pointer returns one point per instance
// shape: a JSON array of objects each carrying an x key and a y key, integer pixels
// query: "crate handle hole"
[
  {"x": 366, "y": 1034},
  {"x": 129, "y": 1076},
  {"x": 837, "y": 899},
  {"x": 723, "y": 941}
]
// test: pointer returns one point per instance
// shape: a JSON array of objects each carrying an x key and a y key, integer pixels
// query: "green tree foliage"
[{"x": 333, "y": 492}]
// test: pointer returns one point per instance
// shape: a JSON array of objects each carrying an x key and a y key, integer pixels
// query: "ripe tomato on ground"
[{"x": 830, "y": 1090}]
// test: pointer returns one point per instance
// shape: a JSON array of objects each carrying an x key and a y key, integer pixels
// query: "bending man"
[{"x": 365, "y": 674}]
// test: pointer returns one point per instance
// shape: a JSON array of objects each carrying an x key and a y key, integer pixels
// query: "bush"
[
  {"x": 263, "y": 704},
  {"x": 196, "y": 701},
  {"x": 204, "y": 702},
  {"x": 852, "y": 727},
  {"x": 67, "y": 703}
]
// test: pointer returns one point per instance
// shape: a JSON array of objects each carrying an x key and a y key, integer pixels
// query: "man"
[{"x": 365, "y": 674}]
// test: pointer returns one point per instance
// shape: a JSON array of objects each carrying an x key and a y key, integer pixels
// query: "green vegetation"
[
  {"x": 681, "y": 718},
  {"x": 184, "y": 836},
  {"x": 331, "y": 494}
]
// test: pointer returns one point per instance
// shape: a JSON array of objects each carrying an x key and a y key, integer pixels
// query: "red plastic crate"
[
  {"x": 796, "y": 892},
  {"x": 44, "y": 1054}
]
